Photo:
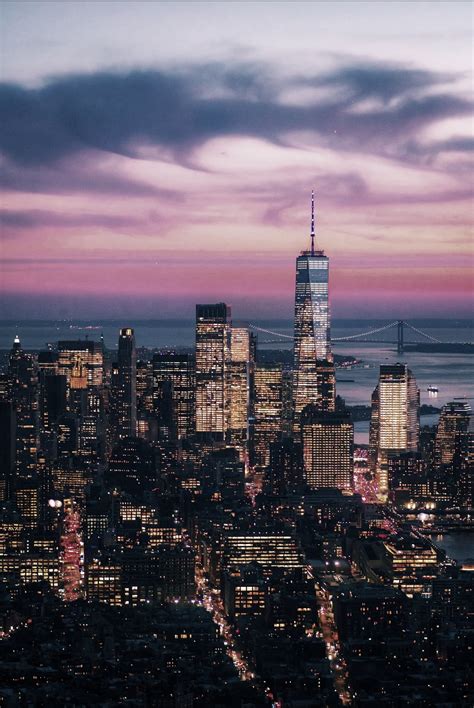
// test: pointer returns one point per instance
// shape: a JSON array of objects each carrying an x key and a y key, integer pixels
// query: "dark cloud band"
[{"x": 374, "y": 108}]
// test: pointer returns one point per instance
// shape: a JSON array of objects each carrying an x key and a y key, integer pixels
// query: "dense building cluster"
[{"x": 183, "y": 528}]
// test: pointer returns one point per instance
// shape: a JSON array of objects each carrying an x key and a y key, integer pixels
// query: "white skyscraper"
[{"x": 396, "y": 426}]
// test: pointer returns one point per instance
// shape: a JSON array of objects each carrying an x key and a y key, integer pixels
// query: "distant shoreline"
[{"x": 442, "y": 348}]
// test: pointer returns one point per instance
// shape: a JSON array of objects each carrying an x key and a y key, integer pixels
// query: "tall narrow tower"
[
  {"x": 312, "y": 323},
  {"x": 127, "y": 384},
  {"x": 213, "y": 326}
]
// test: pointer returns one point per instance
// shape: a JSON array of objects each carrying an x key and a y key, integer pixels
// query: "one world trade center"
[{"x": 312, "y": 325}]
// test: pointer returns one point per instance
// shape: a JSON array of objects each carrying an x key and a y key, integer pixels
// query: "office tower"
[
  {"x": 395, "y": 424},
  {"x": 412, "y": 563},
  {"x": 103, "y": 580},
  {"x": 327, "y": 439},
  {"x": 68, "y": 435},
  {"x": 53, "y": 399},
  {"x": 144, "y": 387},
  {"x": 40, "y": 567},
  {"x": 374, "y": 431},
  {"x": 451, "y": 448},
  {"x": 93, "y": 425},
  {"x": 173, "y": 392},
  {"x": 7, "y": 449},
  {"x": 239, "y": 379},
  {"x": 267, "y": 411},
  {"x": 132, "y": 466},
  {"x": 466, "y": 482},
  {"x": 5, "y": 387},
  {"x": 312, "y": 323},
  {"x": 224, "y": 474},
  {"x": 285, "y": 474},
  {"x": 245, "y": 592},
  {"x": 126, "y": 393},
  {"x": 147, "y": 421},
  {"x": 27, "y": 498},
  {"x": 212, "y": 360},
  {"x": 428, "y": 446},
  {"x": 137, "y": 575},
  {"x": 47, "y": 363},
  {"x": 370, "y": 612},
  {"x": 24, "y": 395},
  {"x": 165, "y": 411},
  {"x": 270, "y": 549},
  {"x": 326, "y": 380},
  {"x": 81, "y": 359},
  {"x": 405, "y": 470},
  {"x": 287, "y": 401},
  {"x": 53, "y": 403}
]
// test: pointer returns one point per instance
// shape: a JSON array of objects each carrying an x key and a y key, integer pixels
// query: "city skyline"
[
  {"x": 201, "y": 504},
  {"x": 125, "y": 163}
]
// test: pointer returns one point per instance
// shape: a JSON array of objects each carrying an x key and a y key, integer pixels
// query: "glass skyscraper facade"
[
  {"x": 395, "y": 427},
  {"x": 177, "y": 370},
  {"x": 213, "y": 325},
  {"x": 312, "y": 324},
  {"x": 328, "y": 439},
  {"x": 239, "y": 380}
]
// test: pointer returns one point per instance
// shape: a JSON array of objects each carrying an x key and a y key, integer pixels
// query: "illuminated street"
[
  {"x": 331, "y": 640},
  {"x": 210, "y": 600},
  {"x": 71, "y": 553}
]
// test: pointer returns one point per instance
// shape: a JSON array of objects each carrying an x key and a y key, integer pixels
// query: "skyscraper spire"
[{"x": 312, "y": 223}]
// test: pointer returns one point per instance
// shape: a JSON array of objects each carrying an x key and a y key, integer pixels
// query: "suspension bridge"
[{"x": 398, "y": 327}]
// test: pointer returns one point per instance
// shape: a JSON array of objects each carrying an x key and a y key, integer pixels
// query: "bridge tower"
[{"x": 400, "y": 325}]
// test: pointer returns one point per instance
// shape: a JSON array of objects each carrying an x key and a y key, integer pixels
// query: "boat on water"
[{"x": 432, "y": 390}]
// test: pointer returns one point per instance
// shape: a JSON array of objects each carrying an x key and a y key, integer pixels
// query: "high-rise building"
[
  {"x": 132, "y": 466},
  {"x": 287, "y": 401},
  {"x": 24, "y": 395},
  {"x": 452, "y": 435},
  {"x": 369, "y": 611},
  {"x": 374, "y": 431},
  {"x": 395, "y": 421},
  {"x": 47, "y": 362},
  {"x": 326, "y": 380},
  {"x": 213, "y": 326},
  {"x": 81, "y": 358},
  {"x": 239, "y": 380},
  {"x": 245, "y": 592},
  {"x": 53, "y": 399},
  {"x": 327, "y": 439},
  {"x": 454, "y": 439},
  {"x": 466, "y": 482},
  {"x": 412, "y": 563},
  {"x": 126, "y": 403},
  {"x": 312, "y": 323},
  {"x": 173, "y": 392},
  {"x": 285, "y": 474},
  {"x": 270, "y": 549},
  {"x": 7, "y": 449},
  {"x": 267, "y": 411},
  {"x": 144, "y": 387}
]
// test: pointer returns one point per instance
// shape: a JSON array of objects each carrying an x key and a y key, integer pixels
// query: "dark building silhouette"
[
  {"x": 132, "y": 466},
  {"x": 126, "y": 403}
]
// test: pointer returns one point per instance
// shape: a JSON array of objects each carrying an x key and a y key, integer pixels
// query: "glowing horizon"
[{"x": 160, "y": 181}]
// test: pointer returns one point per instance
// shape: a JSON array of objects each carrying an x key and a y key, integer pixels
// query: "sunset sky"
[{"x": 155, "y": 155}]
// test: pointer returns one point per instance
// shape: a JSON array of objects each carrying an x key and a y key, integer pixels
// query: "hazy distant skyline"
[{"x": 156, "y": 155}]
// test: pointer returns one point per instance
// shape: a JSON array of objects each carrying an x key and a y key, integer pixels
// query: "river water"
[{"x": 458, "y": 546}]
